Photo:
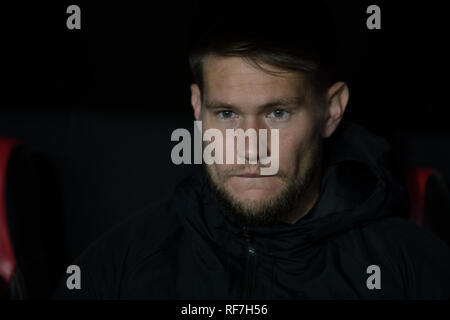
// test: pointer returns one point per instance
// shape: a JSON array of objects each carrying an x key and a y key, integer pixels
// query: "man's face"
[{"x": 236, "y": 94}]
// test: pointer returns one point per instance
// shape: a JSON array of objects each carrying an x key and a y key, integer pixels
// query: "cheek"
[
  {"x": 290, "y": 151},
  {"x": 207, "y": 120},
  {"x": 216, "y": 173},
  {"x": 295, "y": 147}
]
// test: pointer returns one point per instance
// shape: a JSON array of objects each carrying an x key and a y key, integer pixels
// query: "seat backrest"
[
  {"x": 8, "y": 263},
  {"x": 416, "y": 181},
  {"x": 429, "y": 199},
  {"x": 31, "y": 240}
]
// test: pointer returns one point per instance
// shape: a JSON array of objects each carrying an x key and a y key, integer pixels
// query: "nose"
[{"x": 256, "y": 141}]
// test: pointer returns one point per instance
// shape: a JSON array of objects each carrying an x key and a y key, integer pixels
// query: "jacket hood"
[{"x": 356, "y": 188}]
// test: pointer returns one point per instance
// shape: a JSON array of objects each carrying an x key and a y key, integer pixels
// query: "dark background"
[{"x": 97, "y": 106}]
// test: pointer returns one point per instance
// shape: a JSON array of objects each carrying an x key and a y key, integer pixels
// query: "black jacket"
[{"x": 189, "y": 248}]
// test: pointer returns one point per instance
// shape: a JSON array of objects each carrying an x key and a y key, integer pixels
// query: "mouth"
[
  {"x": 249, "y": 175},
  {"x": 252, "y": 175}
]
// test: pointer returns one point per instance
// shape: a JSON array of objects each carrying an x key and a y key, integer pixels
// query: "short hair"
[{"x": 297, "y": 39}]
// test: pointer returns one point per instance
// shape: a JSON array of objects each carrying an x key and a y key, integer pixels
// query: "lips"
[
  {"x": 253, "y": 173},
  {"x": 249, "y": 175}
]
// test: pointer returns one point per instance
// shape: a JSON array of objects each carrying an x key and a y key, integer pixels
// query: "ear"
[
  {"x": 336, "y": 102},
  {"x": 196, "y": 100}
]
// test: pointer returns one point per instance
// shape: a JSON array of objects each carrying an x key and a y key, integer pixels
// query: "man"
[{"x": 322, "y": 227}]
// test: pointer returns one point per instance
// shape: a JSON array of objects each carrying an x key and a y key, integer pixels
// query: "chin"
[{"x": 253, "y": 189}]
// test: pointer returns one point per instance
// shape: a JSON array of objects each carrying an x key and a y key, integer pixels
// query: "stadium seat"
[
  {"x": 11, "y": 281},
  {"x": 429, "y": 199},
  {"x": 31, "y": 240}
]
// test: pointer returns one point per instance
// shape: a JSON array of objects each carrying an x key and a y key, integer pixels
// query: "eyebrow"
[{"x": 212, "y": 104}]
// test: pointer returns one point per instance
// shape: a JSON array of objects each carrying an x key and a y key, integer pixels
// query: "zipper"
[{"x": 250, "y": 264}]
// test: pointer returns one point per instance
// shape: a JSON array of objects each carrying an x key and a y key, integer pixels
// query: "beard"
[{"x": 265, "y": 212}]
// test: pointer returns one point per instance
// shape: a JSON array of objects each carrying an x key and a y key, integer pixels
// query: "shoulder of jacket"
[{"x": 405, "y": 237}]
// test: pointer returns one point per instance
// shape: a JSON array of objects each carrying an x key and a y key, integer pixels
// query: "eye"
[
  {"x": 224, "y": 115},
  {"x": 279, "y": 114}
]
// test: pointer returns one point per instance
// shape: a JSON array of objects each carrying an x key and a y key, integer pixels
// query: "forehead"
[{"x": 234, "y": 80}]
